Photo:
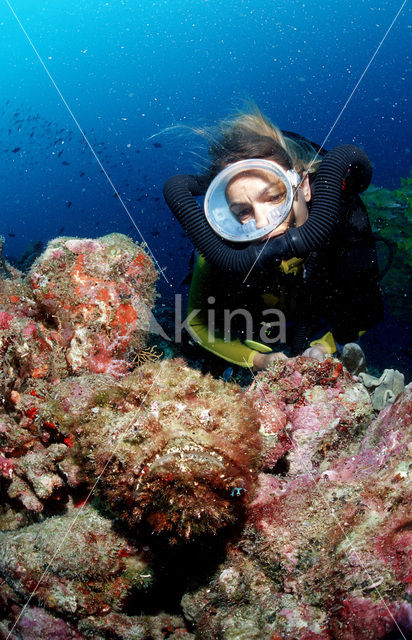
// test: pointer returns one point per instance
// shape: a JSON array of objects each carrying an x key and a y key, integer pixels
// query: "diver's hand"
[
  {"x": 264, "y": 360},
  {"x": 317, "y": 352}
]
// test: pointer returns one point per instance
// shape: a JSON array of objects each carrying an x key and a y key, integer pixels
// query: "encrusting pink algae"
[
  {"x": 279, "y": 512},
  {"x": 325, "y": 553}
]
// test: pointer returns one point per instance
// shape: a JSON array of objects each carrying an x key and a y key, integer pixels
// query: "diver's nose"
[{"x": 261, "y": 215}]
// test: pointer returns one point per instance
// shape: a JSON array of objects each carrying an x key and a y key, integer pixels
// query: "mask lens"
[
  {"x": 248, "y": 199},
  {"x": 249, "y": 227}
]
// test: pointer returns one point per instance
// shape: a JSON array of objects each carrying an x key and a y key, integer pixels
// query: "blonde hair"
[{"x": 250, "y": 134}]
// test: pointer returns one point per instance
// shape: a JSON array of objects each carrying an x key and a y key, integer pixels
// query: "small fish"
[
  {"x": 69, "y": 204},
  {"x": 65, "y": 162},
  {"x": 59, "y": 154},
  {"x": 82, "y": 173},
  {"x": 227, "y": 374},
  {"x": 154, "y": 233},
  {"x": 158, "y": 145},
  {"x": 61, "y": 230},
  {"x": 16, "y": 149},
  {"x": 11, "y": 235}
]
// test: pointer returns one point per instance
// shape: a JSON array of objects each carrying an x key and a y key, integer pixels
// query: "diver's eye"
[
  {"x": 242, "y": 214},
  {"x": 276, "y": 197},
  {"x": 245, "y": 216}
]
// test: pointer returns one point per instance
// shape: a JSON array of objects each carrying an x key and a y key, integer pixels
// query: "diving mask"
[{"x": 272, "y": 178}]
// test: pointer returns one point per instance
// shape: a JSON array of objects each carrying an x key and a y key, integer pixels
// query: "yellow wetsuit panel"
[
  {"x": 234, "y": 351},
  {"x": 201, "y": 288},
  {"x": 327, "y": 341}
]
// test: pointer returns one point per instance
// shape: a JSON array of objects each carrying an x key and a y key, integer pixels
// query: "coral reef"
[
  {"x": 326, "y": 550},
  {"x": 83, "y": 307},
  {"x": 93, "y": 574},
  {"x": 36, "y": 623},
  {"x": 169, "y": 444},
  {"x": 98, "y": 294},
  {"x": 174, "y": 452},
  {"x": 117, "y": 479},
  {"x": 307, "y": 408}
]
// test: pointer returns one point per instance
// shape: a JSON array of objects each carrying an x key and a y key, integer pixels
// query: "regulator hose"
[{"x": 344, "y": 169}]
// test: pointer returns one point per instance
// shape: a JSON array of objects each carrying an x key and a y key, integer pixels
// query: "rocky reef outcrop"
[
  {"x": 156, "y": 502},
  {"x": 83, "y": 307},
  {"x": 326, "y": 549},
  {"x": 168, "y": 445}
]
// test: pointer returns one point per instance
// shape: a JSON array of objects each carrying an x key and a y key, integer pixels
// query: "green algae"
[{"x": 390, "y": 213}]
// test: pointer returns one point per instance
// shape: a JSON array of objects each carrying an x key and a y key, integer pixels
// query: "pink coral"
[
  {"x": 326, "y": 550},
  {"x": 308, "y": 406},
  {"x": 101, "y": 292}
]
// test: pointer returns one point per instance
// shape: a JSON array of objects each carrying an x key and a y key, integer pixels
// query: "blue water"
[{"x": 129, "y": 69}]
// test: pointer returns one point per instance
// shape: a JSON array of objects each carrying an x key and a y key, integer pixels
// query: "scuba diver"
[{"x": 285, "y": 237}]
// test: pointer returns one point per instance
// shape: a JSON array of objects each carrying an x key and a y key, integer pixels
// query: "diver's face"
[{"x": 252, "y": 195}]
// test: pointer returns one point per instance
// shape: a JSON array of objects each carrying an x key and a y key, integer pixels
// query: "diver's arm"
[{"x": 201, "y": 287}]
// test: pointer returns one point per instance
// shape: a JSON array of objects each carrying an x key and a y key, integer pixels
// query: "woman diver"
[{"x": 283, "y": 232}]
